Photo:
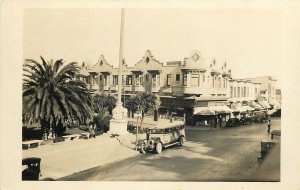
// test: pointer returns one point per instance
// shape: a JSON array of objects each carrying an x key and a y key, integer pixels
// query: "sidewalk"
[{"x": 66, "y": 158}]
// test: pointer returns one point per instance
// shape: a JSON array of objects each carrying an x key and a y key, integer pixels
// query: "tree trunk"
[{"x": 155, "y": 115}]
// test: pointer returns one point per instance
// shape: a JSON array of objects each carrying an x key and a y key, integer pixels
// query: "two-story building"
[
  {"x": 193, "y": 86},
  {"x": 267, "y": 91}
]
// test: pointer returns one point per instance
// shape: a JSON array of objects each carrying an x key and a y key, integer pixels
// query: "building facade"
[
  {"x": 191, "y": 86},
  {"x": 267, "y": 90}
]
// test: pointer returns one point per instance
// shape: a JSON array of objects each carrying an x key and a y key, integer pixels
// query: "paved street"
[{"x": 228, "y": 154}]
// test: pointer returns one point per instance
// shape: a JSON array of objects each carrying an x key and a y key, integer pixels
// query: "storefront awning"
[
  {"x": 264, "y": 104},
  {"x": 256, "y": 106},
  {"x": 274, "y": 103},
  {"x": 220, "y": 109},
  {"x": 211, "y": 110},
  {"x": 243, "y": 109},
  {"x": 203, "y": 111}
]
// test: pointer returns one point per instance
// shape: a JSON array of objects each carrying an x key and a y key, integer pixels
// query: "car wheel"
[
  {"x": 142, "y": 150},
  {"x": 181, "y": 141},
  {"x": 158, "y": 148}
]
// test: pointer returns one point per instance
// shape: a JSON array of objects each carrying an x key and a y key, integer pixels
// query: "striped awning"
[
  {"x": 203, "y": 111},
  {"x": 256, "y": 106},
  {"x": 242, "y": 109},
  {"x": 264, "y": 104},
  {"x": 211, "y": 110},
  {"x": 274, "y": 103},
  {"x": 220, "y": 109}
]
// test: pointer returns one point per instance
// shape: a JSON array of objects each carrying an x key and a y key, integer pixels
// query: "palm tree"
[{"x": 51, "y": 94}]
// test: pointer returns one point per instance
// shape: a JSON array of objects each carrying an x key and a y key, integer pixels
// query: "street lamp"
[{"x": 138, "y": 115}]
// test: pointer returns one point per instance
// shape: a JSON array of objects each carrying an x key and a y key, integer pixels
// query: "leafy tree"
[
  {"x": 51, "y": 94},
  {"x": 103, "y": 103},
  {"x": 145, "y": 101}
]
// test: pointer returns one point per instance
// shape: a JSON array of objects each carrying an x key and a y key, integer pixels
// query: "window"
[
  {"x": 105, "y": 80},
  {"x": 224, "y": 83},
  {"x": 101, "y": 79},
  {"x": 203, "y": 77},
  {"x": 195, "y": 80},
  {"x": 153, "y": 80},
  {"x": 147, "y": 60},
  {"x": 168, "y": 79},
  {"x": 177, "y": 77},
  {"x": 231, "y": 91},
  {"x": 213, "y": 82},
  {"x": 184, "y": 79},
  {"x": 238, "y": 92},
  {"x": 234, "y": 91},
  {"x": 247, "y": 91},
  {"x": 115, "y": 80},
  {"x": 141, "y": 80},
  {"x": 129, "y": 80},
  {"x": 137, "y": 80}
]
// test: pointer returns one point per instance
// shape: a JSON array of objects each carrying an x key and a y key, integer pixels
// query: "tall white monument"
[{"x": 118, "y": 124}]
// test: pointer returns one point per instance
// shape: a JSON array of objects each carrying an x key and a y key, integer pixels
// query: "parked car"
[
  {"x": 260, "y": 116},
  {"x": 250, "y": 119},
  {"x": 277, "y": 113},
  {"x": 233, "y": 122},
  {"x": 243, "y": 121},
  {"x": 267, "y": 145},
  {"x": 160, "y": 138},
  {"x": 32, "y": 170}
]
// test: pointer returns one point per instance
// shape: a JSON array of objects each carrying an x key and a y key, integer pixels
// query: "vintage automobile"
[
  {"x": 260, "y": 116},
  {"x": 267, "y": 145},
  {"x": 233, "y": 122},
  {"x": 32, "y": 170},
  {"x": 159, "y": 138}
]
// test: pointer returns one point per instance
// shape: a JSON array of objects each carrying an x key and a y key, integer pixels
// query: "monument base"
[{"x": 118, "y": 127}]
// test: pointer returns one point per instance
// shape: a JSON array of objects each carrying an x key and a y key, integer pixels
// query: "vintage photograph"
[{"x": 137, "y": 94}]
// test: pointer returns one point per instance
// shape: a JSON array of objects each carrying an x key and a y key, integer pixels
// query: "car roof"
[{"x": 160, "y": 124}]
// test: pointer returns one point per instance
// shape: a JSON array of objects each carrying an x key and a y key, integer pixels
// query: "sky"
[{"x": 249, "y": 40}]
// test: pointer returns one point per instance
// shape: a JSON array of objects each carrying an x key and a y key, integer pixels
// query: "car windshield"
[{"x": 164, "y": 131}]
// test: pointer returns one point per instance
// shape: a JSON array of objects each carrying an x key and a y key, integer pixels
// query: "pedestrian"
[
  {"x": 269, "y": 126},
  {"x": 92, "y": 130},
  {"x": 220, "y": 121}
]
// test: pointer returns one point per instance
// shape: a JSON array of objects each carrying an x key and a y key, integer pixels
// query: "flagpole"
[
  {"x": 121, "y": 58},
  {"x": 118, "y": 124}
]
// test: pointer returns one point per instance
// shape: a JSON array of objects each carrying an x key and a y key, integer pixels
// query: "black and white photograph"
[{"x": 163, "y": 94}]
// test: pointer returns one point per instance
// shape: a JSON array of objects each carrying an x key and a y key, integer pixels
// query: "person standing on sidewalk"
[
  {"x": 92, "y": 130},
  {"x": 269, "y": 126}
]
